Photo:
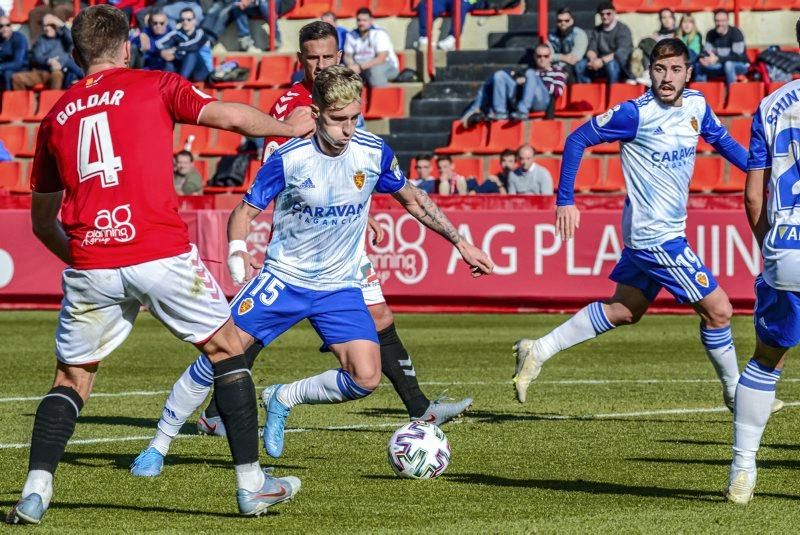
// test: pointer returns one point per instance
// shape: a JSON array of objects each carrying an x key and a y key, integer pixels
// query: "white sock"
[
  {"x": 249, "y": 477},
  {"x": 332, "y": 386},
  {"x": 751, "y": 411},
  {"x": 41, "y": 483},
  {"x": 188, "y": 393},
  {"x": 588, "y": 322},
  {"x": 722, "y": 354}
]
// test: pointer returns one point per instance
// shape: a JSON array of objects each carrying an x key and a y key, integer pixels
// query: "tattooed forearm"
[{"x": 428, "y": 213}]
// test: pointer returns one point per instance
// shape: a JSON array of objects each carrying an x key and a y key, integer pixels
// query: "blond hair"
[{"x": 336, "y": 87}]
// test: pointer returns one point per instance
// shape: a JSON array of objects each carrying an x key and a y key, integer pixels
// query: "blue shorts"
[
  {"x": 776, "y": 315},
  {"x": 672, "y": 265},
  {"x": 266, "y": 307}
]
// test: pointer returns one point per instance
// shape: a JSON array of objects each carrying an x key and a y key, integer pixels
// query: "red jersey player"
[{"x": 104, "y": 160}]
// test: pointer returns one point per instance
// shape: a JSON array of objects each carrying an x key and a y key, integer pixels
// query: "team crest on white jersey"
[
  {"x": 359, "y": 179},
  {"x": 695, "y": 124},
  {"x": 701, "y": 278}
]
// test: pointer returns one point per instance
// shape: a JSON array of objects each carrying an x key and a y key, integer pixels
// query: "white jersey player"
[{"x": 773, "y": 165}]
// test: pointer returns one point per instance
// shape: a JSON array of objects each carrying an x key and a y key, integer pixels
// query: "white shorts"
[
  {"x": 370, "y": 283},
  {"x": 101, "y": 305}
]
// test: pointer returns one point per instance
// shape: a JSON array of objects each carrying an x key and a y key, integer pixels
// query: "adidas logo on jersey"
[
  {"x": 307, "y": 184},
  {"x": 658, "y": 131}
]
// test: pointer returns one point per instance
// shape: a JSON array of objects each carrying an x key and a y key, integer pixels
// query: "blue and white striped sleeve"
[
  {"x": 392, "y": 178},
  {"x": 270, "y": 181}
]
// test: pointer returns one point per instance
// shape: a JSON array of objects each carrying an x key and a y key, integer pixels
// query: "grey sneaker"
[
  {"x": 494, "y": 116},
  {"x": 519, "y": 116},
  {"x": 274, "y": 491},
  {"x": 440, "y": 411},
  {"x": 470, "y": 117}
]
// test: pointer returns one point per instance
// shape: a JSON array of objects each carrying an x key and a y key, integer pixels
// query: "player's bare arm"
[
  {"x": 249, "y": 121},
  {"x": 376, "y": 229},
  {"x": 241, "y": 264},
  {"x": 422, "y": 207},
  {"x": 755, "y": 206},
  {"x": 568, "y": 219},
  {"x": 47, "y": 227}
]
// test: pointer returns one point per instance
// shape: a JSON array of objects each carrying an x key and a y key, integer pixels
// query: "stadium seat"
[
  {"x": 589, "y": 174},
  {"x": 47, "y": 99},
  {"x": 774, "y": 86},
  {"x": 773, "y": 5},
  {"x": 11, "y": 177},
  {"x": 394, "y": 8},
  {"x": 743, "y": 98},
  {"x": 15, "y": 138},
  {"x": 244, "y": 61},
  {"x": 463, "y": 139},
  {"x": 707, "y": 174},
  {"x": 385, "y": 103},
  {"x": 690, "y": 6},
  {"x": 268, "y": 97},
  {"x": 346, "y": 9},
  {"x": 28, "y": 150},
  {"x": 16, "y": 105},
  {"x": 502, "y": 135},
  {"x": 547, "y": 136},
  {"x": 714, "y": 93},
  {"x": 224, "y": 143},
  {"x": 618, "y": 93},
  {"x": 201, "y": 136},
  {"x": 735, "y": 182},
  {"x": 273, "y": 71},
  {"x": 614, "y": 180},
  {"x": 469, "y": 167},
  {"x": 634, "y": 6},
  {"x": 252, "y": 169},
  {"x": 583, "y": 100},
  {"x": 739, "y": 130},
  {"x": 703, "y": 146},
  {"x": 309, "y": 9},
  {"x": 242, "y": 96},
  {"x": 20, "y": 10},
  {"x": 553, "y": 165}
]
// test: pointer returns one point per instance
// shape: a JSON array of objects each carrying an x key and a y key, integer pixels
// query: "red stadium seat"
[
  {"x": 469, "y": 167},
  {"x": 589, "y": 174},
  {"x": 201, "y": 137},
  {"x": 385, "y": 103},
  {"x": 634, "y": 6},
  {"x": 394, "y": 8},
  {"x": 242, "y": 96},
  {"x": 774, "y": 86},
  {"x": 29, "y": 149},
  {"x": 224, "y": 143},
  {"x": 614, "y": 180},
  {"x": 714, "y": 93},
  {"x": 740, "y": 131},
  {"x": 583, "y": 100},
  {"x": 244, "y": 61},
  {"x": 346, "y": 9},
  {"x": 309, "y": 9},
  {"x": 618, "y": 93},
  {"x": 16, "y": 105},
  {"x": 21, "y": 10},
  {"x": 252, "y": 169},
  {"x": 47, "y": 99},
  {"x": 707, "y": 174},
  {"x": 553, "y": 165},
  {"x": 273, "y": 71},
  {"x": 463, "y": 140},
  {"x": 547, "y": 136},
  {"x": 11, "y": 177},
  {"x": 690, "y": 6},
  {"x": 743, "y": 98},
  {"x": 15, "y": 138},
  {"x": 703, "y": 146},
  {"x": 502, "y": 135},
  {"x": 735, "y": 182},
  {"x": 268, "y": 97}
]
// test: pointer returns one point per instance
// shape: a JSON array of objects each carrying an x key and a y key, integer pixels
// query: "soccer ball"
[{"x": 419, "y": 450}]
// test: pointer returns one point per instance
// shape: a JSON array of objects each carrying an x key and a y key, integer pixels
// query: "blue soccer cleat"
[
  {"x": 149, "y": 463},
  {"x": 277, "y": 413},
  {"x": 29, "y": 510},
  {"x": 274, "y": 491}
]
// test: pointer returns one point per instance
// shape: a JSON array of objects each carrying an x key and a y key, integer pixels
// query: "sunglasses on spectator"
[
  {"x": 5, "y": 26},
  {"x": 158, "y": 22},
  {"x": 190, "y": 19},
  {"x": 542, "y": 55},
  {"x": 50, "y": 26},
  {"x": 563, "y": 21},
  {"x": 606, "y": 13}
]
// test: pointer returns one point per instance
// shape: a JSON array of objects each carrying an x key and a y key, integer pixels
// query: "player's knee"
[
  {"x": 368, "y": 377},
  {"x": 619, "y": 315},
  {"x": 720, "y": 315},
  {"x": 382, "y": 316}
]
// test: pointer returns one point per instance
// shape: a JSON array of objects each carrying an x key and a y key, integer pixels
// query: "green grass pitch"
[{"x": 643, "y": 445}]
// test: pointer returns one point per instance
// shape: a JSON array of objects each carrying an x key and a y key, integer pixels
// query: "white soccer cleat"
[
  {"x": 528, "y": 367},
  {"x": 740, "y": 486}
]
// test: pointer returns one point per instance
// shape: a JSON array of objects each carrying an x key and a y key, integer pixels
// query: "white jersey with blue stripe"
[
  {"x": 658, "y": 148},
  {"x": 321, "y": 208},
  {"x": 775, "y": 144}
]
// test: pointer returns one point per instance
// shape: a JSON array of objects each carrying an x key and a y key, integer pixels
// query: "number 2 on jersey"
[
  {"x": 788, "y": 184},
  {"x": 96, "y": 158}
]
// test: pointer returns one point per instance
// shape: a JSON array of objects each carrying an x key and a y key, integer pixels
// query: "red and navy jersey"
[
  {"x": 296, "y": 96},
  {"x": 107, "y": 144}
]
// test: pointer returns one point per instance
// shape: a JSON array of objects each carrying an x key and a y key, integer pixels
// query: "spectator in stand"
[
  {"x": 532, "y": 90},
  {"x": 568, "y": 43},
  {"x": 146, "y": 42},
  {"x": 450, "y": 182},
  {"x": 341, "y": 31},
  {"x": 725, "y": 51},
  {"x": 186, "y": 178},
  {"x": 13, "y": 52},
  {"x": 440, "y": 7},
  {"x": 529, "y": 178},
  {"x": 186, "y": 50},
  {"x": 687, "y": 32},
  {"x": 609, "y": 51},
  {"x": 369, "y": 52},
  {"x": 173, "y": 9},
  {"x": 640, "y": 58},
  {"x": 424, "y": 168},
  {"x": 63, "y": 9},
  {"x": 244, "y": 9},
  {"x": 499, "y": 183},
  {"x": 51, "y": 61}
]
